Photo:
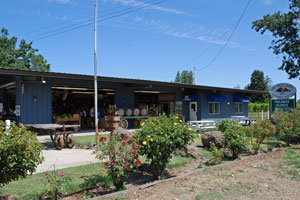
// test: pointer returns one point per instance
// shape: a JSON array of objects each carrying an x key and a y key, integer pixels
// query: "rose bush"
[
  {"x": 121, "y": 155},
  {"x": 258, "y": 132},
  {"x": 288, "y": 125},
  {"x": 54, "y": 182},
  {"x": 162, "y": 136},
  {"x": 19, "y": 153}
]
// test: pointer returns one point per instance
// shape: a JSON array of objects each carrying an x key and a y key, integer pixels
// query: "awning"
[
  {"x": 241, "y": 99},
  {"x": 217, "y": 98}
]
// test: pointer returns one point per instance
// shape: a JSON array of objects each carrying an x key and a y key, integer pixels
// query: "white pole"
[
  {"x": 262, "y": 115},
  {"x": 95, "y": 72},
  {"x": 268, "y": 114}
]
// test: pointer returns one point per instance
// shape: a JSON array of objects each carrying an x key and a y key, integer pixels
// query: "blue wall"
[{"x": 32, "y": 112}]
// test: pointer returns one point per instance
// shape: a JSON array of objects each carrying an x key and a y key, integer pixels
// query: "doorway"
[{"x": 193, "y": 111}]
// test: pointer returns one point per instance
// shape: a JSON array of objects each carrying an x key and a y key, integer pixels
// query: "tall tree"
[
  {"x": 185, "y": 77},
  {"x": 258, "y": 82},
  {"x": 23, "y": 57},
  {"x": 285, "y": 28}
]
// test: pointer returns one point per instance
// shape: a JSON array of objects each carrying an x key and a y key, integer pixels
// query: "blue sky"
[{"x": 153, "y": 43}]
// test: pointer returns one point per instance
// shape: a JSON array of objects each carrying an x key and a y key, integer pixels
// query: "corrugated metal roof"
[{"x": 120, "y": 80}]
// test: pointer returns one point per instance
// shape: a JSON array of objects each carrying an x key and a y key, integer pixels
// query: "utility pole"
[{"x": 95, "y": 72}]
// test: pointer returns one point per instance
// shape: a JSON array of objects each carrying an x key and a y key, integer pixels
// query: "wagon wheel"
[
  {"x": 58, "y": 142},
  {"x": 123, "y": 123},
  {"x": 70, "y": 141}
]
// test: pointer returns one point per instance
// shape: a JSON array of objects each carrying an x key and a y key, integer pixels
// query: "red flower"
[
  {"x": 102, "y": 139},
  {"x": 134, "y": 152},
  {"x": 111, "y": 163},
  {"x": 105, "y": 164},
  {"x": 111, "y": 133},
  {"x": 117, "y": 133},
  {"x": 139, "y": 144},
  {"x": 134, "y": 148},
  {"x": 129, "y": 143},
  {"x": 133, "y": 144},
  {"x": 123, "y": 143},
  {"x": 103, "y": 130},
  {"x": 124, "y": 137},
  {"x": 134, "y": 136},
  {"x": 137, "y": 161},
  {"x": 116, "y": 170},
  {"x": 46, "y": 173}
]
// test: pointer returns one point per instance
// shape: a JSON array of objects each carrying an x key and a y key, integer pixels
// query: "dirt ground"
[{"x": 264, "y": 176}]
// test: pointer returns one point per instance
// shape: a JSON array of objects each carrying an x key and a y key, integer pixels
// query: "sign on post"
[
  {"x": 282, "y": 104},
  {"x": 282, "y": 91}
]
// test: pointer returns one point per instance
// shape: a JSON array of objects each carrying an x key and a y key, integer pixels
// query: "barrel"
[
  {"x": 128, "y": 112},
  {"x": 136, "y": 112},
  {"x": 120, "y": 112},
  {"x": 143, "y": 111}
]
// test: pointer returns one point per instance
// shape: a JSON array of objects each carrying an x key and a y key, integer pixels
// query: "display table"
[{"x": 65, "y": 120}]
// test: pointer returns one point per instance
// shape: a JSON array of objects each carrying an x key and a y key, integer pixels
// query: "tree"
[
  {"x": 185, "y": 77},
  {"x": 23, "y": 58},
  {"x": 285, "y": 28},
  {"x": 258, "y": 82}
]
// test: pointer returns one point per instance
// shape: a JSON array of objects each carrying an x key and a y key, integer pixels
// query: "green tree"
[
  {"x": 185, "y": 77},
  {"x": 258, "y": 82},
  {"x": 23, "y": 57},
  {"x": 285, "y": 28}
]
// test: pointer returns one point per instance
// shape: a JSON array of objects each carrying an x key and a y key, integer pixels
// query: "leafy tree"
[
  {"x": 285, "y": 28},
  {"x": 258, "y": 82},
  {"x": 23, "y": 57},
  {"x": 185, "y": 77}
]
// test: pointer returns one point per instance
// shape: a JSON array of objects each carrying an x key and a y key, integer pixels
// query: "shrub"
[
  {"x": 161, "y": 137},
  {"x": 19, "y": 153},
  {"x": 235, "y": 139},
  {"x": 122, "y": 155},
  {"x": 224, "y": 124},
  {"x": 55, "y": 181},
  {"x": 288, "y": 125},
  {"x": 258, "y": 132},
  {"x": 217, "y": 154}
]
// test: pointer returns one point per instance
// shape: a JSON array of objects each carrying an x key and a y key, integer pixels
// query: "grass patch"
[
  {"x": 292, "y": 159},
  {"x": 82, "y": 177},
  {"x": 178, "y": 161}
]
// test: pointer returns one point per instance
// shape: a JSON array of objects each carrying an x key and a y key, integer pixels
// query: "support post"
[{"x": 95, "y": 72}]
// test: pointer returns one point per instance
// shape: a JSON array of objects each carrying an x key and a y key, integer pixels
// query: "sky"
[{"x": 152, "y": 43}]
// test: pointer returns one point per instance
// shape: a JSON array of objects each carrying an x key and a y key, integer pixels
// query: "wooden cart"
[{"x": 61, "y": 135}]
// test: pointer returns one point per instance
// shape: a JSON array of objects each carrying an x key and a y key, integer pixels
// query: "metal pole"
[{"x": 95, "y": 72}]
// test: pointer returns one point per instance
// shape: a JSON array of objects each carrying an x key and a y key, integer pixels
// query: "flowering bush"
[
  {"x": 19, "y": 153},
  {"x": 217, "y": 154},
  {"x": 121, "y": 154},
  {"x": 224, "y": 124},
  {"x": 235, "y": 139},
  {"x": 55, "y": 181},
  {"x": 161, "y": 137},
  {"x": 288, "y": 125},
  {"x": 258, "y": 132}
]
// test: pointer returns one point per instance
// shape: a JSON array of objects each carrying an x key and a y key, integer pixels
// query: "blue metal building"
[{"x": 27, "y": 96}]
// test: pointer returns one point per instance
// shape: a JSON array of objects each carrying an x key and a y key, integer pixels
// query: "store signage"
[
  {"x": 282, "y": 91},
  {"x": 18, "y": 110},
  {"x": 282, "y": 104}
]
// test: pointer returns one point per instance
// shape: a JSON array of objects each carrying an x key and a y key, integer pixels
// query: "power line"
[
  {"x": 88, "y": 23},
  {"x": 79, "y": 18},
  {"x": 229, "y": 38}
]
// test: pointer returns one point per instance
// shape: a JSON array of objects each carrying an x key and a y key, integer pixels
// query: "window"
[
  {"x": 238, "y": 107},
  {"x": 214, "y": 108}
]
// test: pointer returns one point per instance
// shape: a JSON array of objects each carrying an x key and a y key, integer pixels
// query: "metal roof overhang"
[{"x": 122, "y": 80}]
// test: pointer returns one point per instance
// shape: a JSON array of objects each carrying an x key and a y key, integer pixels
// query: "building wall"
[
  {"x": 39, "y": 111},
  {"x": 226, "y": 111}
]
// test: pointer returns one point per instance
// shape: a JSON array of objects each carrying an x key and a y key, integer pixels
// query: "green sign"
[{"x": 282, "y": 104}]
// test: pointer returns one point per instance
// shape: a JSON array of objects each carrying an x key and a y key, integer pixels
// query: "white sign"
[
  {"x": 18, "y": 110},
  {"x": 282, "y": 91},
  {"x": 1, "y": 107}
]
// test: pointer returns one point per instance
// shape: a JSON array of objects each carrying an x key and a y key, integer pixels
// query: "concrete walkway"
[{"x": 65, "y": 158}]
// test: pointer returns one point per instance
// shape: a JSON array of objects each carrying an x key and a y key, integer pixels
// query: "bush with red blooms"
[{"x": 120, "y": 156}]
